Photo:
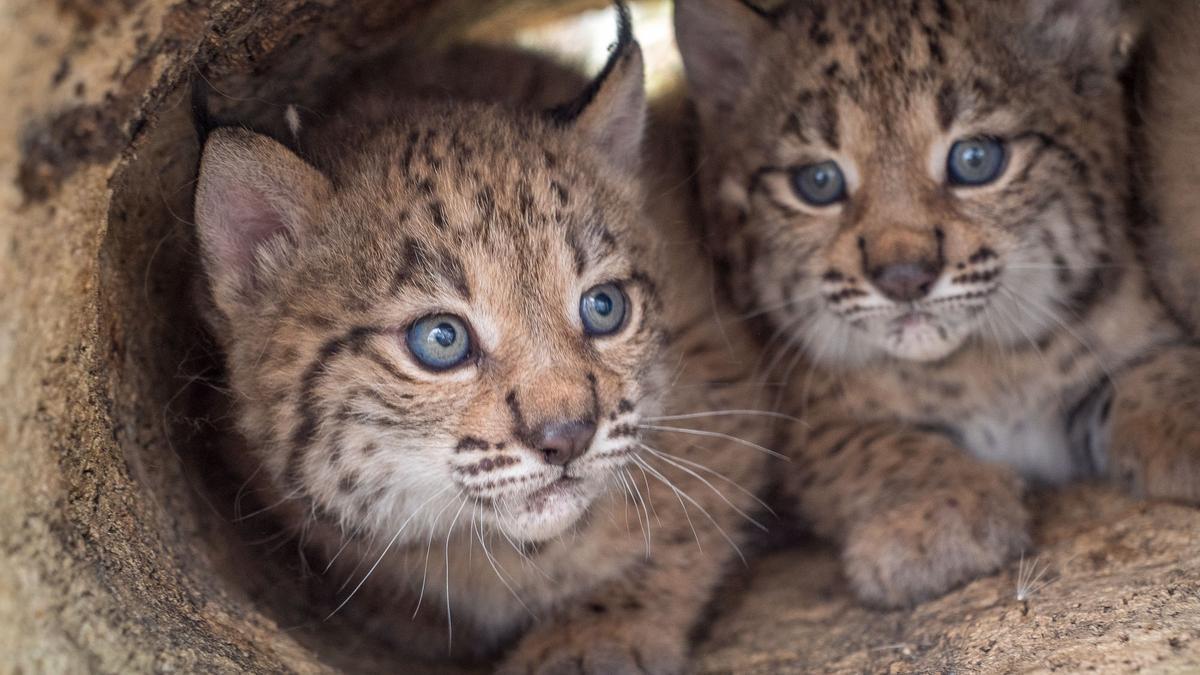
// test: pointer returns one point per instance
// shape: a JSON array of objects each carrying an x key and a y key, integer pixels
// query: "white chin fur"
[
  {"x": 528, "y": 519},
  {"x": 920, "y": 343}
]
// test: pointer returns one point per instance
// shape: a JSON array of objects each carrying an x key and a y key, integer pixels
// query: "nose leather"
[
  {"x": 562, "y": 442},
  {"x": 907, "y": 281},
  {"x": 903, "y": 263}
]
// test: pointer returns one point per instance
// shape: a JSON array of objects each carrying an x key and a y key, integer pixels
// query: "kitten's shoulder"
[{"x": 1171, "y": 127}]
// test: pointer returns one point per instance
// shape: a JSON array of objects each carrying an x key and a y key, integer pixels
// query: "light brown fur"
[
  {"x": 1036, "y": 344},
  {"x": 407, "y": 208},
  {"x": 1171, "y": 126}
]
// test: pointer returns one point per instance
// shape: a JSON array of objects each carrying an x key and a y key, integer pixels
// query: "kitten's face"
[
  {"x": 902, "y": 181},
  {"x": 502, "y": 360},
  {"x": 463, "y": 331}
]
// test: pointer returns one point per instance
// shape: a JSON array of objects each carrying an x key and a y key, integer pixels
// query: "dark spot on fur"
[
  {"x": 471, "y": 443},
  {"x": 560, "y": 192},
  {"x": 623, "y": 431},
  {"x": 947, "y": 105},
  {"x": 437, "y": 213}
]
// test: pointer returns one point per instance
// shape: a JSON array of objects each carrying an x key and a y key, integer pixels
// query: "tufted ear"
[
  {"x": 1090, "y": 37},
  {"x": 611, "y": 112},
  {"x": 718, "y": 40},
  {"x": 254, "y": 198}
]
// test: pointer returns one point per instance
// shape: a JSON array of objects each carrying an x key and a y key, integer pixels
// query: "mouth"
[
  {"x": 553, "y": 499},
  {"x": 919, "y": 335},
  {"x": 547, "y": 511},
  {"x": 562, "y": 487},
  {"x": 913, "y": 318}
]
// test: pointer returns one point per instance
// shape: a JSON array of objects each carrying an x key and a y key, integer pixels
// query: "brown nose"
[
  {"x": 561, "y": 442},
  {"x": 906, "y": 282}
]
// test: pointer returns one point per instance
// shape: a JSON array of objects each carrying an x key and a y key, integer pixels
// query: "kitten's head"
[
  {"x": 454, "y": 318},
  {"x": 901, "y": 178}
]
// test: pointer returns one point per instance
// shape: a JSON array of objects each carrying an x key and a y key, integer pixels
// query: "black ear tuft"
[
  {"x": 566, "y": 113},
  {"x": 611, "y": 111}
]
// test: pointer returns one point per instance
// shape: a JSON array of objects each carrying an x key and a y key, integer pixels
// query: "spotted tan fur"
[
  {"x": 1036, "y": 349},
  {"x": 433, "y": 487}
]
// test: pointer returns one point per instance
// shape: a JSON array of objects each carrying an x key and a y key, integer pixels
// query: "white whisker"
[
  {"x": 638, "y": 498},
  {"x": 525, "y": 559},
  {"x": 428, "y": 550},
  {"x": 649, "y": 493},
  {"x": 385, "y": 551},
  {"x": 1020, "y": 301},
  {"x": 724, "y": 413},
  {"x": 446, "y": 564},
  {"x": 672, "y": 459},
  {"x": 286, "y": 498},
  {"x": 497, "y": 567},
  {"x": 333, "y": 559},
  {"x": 715, "y": 434},
  {"x": 687, "y": 516},
  {"x": 684, "y": 495}
]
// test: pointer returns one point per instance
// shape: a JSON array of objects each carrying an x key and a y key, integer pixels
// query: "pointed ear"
[
  {"x": 718, "y": 41},
  {"x": 611, "y": 112},
  {"x": 254, "y": 198},
  {"x": 1086, "y": 36}
]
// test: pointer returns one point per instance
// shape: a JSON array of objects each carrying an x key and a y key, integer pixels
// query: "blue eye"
[
  {"x": 819, "y": 184},
  {"x": 976, "y": 161},
  {"x": 440, "y": 342},
  {"x": 602, "y": 309}
]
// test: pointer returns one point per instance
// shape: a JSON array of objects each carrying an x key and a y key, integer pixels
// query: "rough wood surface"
[
  {"x": 117, "y": 554},
  {"x": 1116, "y": 588}
]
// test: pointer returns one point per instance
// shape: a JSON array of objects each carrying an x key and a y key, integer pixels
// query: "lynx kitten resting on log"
[{"x": 931, "y": 202}]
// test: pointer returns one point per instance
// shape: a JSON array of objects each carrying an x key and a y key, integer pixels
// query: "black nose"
[
  {"x": 906, "y": 282},
  {"x": 561, "y": 442}
]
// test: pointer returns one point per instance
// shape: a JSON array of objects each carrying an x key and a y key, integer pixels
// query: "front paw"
[
  {"x": 1154, "y": 447},
  {"x": 566, "y": 649},
  {"x": 919, "y": 548},
  {"x": 1158, "y": 461}
]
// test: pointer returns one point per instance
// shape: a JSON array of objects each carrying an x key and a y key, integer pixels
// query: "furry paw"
[
  {"x": 1154, "y": 448},
  {"x": 919, "y": 548},
  {"x": 570, "y": 650},
  {"x": 1158, "y": 461}
]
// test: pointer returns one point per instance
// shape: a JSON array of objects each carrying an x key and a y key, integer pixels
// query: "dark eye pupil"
[
  {"x": 444, "y": 334},
  {"x": 602, "y": 309},
  {"x": 821, "y": 178},
  {"x": 602, "y": 304},
  {"x": 440, "y": 342}
]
